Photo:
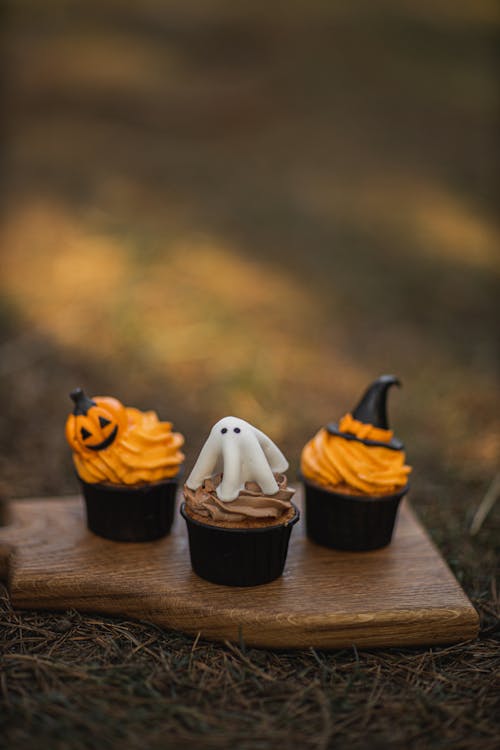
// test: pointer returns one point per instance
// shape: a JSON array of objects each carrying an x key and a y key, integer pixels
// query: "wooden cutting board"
[{"x": 401, "y": 595}]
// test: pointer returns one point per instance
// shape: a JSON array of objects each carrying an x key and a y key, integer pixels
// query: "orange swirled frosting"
[
  {"x": 115, "y": 444},
  {"x": 352, "y": 467}
]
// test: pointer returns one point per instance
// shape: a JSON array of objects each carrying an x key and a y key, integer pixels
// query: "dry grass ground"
[
  {"x": 251, "y": 208},
  {"x": 76, "y": 681}
]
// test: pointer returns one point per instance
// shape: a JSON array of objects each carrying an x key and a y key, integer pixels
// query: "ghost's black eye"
[
  {"x": 85, "y": 433},
  {"x": 103, "y": 421},
  {"x": 224, "y": 430},
  {"x": 237, "y": 429}
]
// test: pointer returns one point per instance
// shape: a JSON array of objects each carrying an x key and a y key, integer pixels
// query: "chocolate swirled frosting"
[{"x": 252, "y": 507}]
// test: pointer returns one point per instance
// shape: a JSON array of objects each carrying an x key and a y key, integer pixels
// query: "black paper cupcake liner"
[
  {"x": 350, "y": 522},
  {"x": 130, "y": 514},
  {"x": 238, "y": 557}
]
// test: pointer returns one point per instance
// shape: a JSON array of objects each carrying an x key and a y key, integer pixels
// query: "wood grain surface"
[{"x": 401, "y": 595}]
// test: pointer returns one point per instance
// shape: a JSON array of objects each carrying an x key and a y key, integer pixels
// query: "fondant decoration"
[
  {"x": 95, "y": 423},
  {"x": 372, "y": 407},
  {"x": 243, "y": 454},
  {"x": 371, "y": 410}
]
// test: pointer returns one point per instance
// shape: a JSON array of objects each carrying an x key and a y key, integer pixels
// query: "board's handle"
[
  {"x": 5, "y": 552},
  {"x": 8, "y": 536}
]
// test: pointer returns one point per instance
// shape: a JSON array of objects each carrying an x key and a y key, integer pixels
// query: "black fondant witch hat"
[
  {"x": 372, "y": 409},
  {"x": 81, "y": 400}
]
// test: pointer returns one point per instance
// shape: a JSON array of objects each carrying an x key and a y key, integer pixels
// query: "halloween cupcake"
[
  {"x": 238, "y": 507},
  {"x": 355, "y": 475},
  {"x": 128, "y": 463}
]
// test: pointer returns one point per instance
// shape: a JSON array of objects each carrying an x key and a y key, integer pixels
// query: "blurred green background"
[{"x": 253, "y": 208}]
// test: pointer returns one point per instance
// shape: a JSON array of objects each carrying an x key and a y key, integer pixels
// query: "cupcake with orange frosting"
[
  {"x": 128, "y": 463},
  {"x": 355, "y": 475}
]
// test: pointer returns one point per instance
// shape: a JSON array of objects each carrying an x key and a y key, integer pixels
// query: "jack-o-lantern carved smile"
[
  {"x": 95, "y": 423},
  {"x": 105, "y": 443}
]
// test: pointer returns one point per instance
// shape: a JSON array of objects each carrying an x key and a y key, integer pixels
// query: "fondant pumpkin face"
[{"x": 95, "y": 423}]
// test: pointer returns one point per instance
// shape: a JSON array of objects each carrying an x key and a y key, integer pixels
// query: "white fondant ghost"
[{"x": 243, "y": 454}]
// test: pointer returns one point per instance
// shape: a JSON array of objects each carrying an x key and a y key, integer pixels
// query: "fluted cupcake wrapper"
[
  {"x": 350, "y": 522},
  {"x": 238, "y": 557},
  {"x": 130, "y": 514}
]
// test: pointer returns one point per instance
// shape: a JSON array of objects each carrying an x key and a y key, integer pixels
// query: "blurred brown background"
[{"x": 252, "y": 208}]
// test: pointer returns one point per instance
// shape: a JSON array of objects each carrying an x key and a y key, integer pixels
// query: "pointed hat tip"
[
  {"x": 388, "y": 380},
  {"x": 372, "y": 408}
]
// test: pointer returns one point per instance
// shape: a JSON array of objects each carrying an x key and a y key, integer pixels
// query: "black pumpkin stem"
[
  {"x": 372, "y": 408},
  {"x": 82, "y": 402}
]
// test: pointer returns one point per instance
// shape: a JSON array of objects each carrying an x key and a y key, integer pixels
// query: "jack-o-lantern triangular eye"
[
  {"x": 85, "y": 433},
  {"x": 103, "y": 421}
]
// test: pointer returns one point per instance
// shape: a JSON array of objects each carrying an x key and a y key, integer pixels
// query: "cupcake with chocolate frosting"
[
  {"x": 355, "y": 475},
  {"x": 238, "y": 507},
  {"x": 128, "y": 463}
]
